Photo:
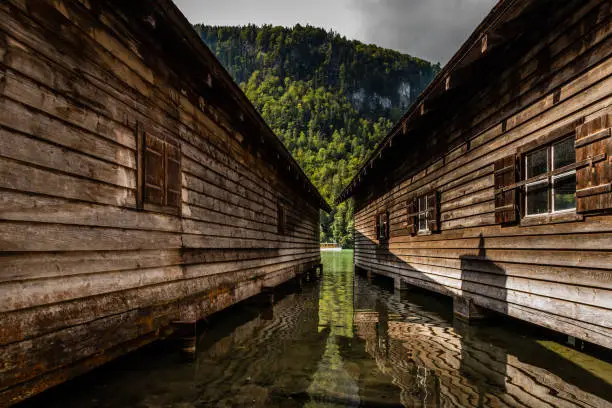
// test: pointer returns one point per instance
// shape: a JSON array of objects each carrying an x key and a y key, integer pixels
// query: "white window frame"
[
  {"x": 423, "y": 212},
  {"x": 549, "y": 181}
]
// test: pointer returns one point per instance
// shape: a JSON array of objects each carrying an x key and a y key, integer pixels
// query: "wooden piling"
[
  {"x": 400, "y": 284},
  {"x": 187, "y": 334},
  {"x": 465, "y": 308},
  {"x": 268, "y": 295}
]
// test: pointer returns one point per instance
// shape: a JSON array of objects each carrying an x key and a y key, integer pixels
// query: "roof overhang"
[{"x": 501, "y": 27}]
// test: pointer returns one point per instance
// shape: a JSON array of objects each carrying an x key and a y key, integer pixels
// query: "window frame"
[
  {"x": 382, "y": 219},
  {"x": 425, "y": 213},
  {"x": 549, "y": 178}
]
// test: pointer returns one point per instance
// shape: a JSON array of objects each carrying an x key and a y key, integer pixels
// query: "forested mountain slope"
[{"x": 328, "y": 98}]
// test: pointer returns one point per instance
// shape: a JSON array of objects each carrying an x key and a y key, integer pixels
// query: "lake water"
[{"x": 346, "y": 341}]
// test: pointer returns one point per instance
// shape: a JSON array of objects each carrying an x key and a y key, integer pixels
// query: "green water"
[{"x": 347, "y": 341}]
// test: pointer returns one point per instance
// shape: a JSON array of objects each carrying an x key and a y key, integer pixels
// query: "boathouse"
[
  {"x": 495, "y": 187},
  {"x": 140, "y": 191}
]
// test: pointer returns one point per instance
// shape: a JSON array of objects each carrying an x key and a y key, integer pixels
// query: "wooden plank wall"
[
  {"x": 84, "y": 275},
  {"x": 555, "y": 275}
]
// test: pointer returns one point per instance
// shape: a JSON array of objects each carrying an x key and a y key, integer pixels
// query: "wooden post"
[
  {"x": 575, "y": 343},
  {"x": 267, "y": 313},
  {"x": 298, "y": 282},
  {"x": 268, "y": 293},
  {"x": 312, "y": 274},
  {"x": 400, "y": 284},
  {"x": 465, "y": 308},
  {"x": 462, "y": 327},
  {"x": 187, "y": 333}
]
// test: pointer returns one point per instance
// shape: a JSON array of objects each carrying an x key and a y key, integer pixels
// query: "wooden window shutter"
[
  {"x": 173, "y": 175},
  {"x": 140, "y": 143},
  {"x": 160, "y": 185},
  {"x": 387, "y": 225},
  {"x": 377, "y": 226},
  {"x": 594, "y": 182},
  {"x": 434, "y": 218},
  {"x": 281, "y": 218},
  {"x": 411, "y": 221},
  {"x": 506, "y": 208},
  {"x": 154, "y": 170}
]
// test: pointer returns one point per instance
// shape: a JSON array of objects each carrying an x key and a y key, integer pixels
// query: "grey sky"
[{"x": 430, "y": 29}]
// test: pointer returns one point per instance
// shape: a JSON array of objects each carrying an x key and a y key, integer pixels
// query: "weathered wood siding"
[
  {"x": 557, "y": 275},
  {"x": 84, "y": 275}
]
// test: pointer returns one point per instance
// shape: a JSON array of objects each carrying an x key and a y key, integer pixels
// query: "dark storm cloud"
[{"x": 430, "y": 29}]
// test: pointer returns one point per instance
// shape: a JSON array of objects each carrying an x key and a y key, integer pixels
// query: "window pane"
[
  {"x": 537, "y": 163},
  {"x": 564, "y": 153},
  {"x": 565, "y": 192},
  {"x": 422, "y": 203},
  {"x": 537, "y": 198},
  {"x": 422, "y": 222}
]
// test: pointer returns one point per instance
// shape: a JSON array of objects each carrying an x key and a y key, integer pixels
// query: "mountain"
[{"x": 328, "y": 98}]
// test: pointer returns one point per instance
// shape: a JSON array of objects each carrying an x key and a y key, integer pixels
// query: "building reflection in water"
[{"x": 438, "y": 362}]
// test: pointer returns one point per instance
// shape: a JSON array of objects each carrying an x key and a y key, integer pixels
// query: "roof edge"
[{"x": 472, "y": 41}]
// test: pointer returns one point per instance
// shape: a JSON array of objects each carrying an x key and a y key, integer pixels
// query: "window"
[
  {"x": 550, "y": 185},
  {"x": 382, "y": 226},
  {"x": 160, "y": 174},
  {"x": 423, "y": 214},
  {"x": 560, "y": 175},
  {"x": 281, "y": 218}
]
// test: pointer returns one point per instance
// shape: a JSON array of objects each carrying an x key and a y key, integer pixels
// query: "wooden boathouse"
[
  {"x": 496, "y": 187},
  {"x": 140, "y": 191}
]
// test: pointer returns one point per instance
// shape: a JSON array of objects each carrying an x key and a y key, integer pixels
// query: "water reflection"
[
  {"x": 437, "y": 361},
  {"x": 344, "y": 341},
  {"x": 334, "y": 381}
]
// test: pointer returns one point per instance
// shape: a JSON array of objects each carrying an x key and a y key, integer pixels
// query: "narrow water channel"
[{"x": 348, "y": 341}]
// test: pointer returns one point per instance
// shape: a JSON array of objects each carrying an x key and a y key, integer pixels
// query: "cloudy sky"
[{"x": 430, "y": 29}]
